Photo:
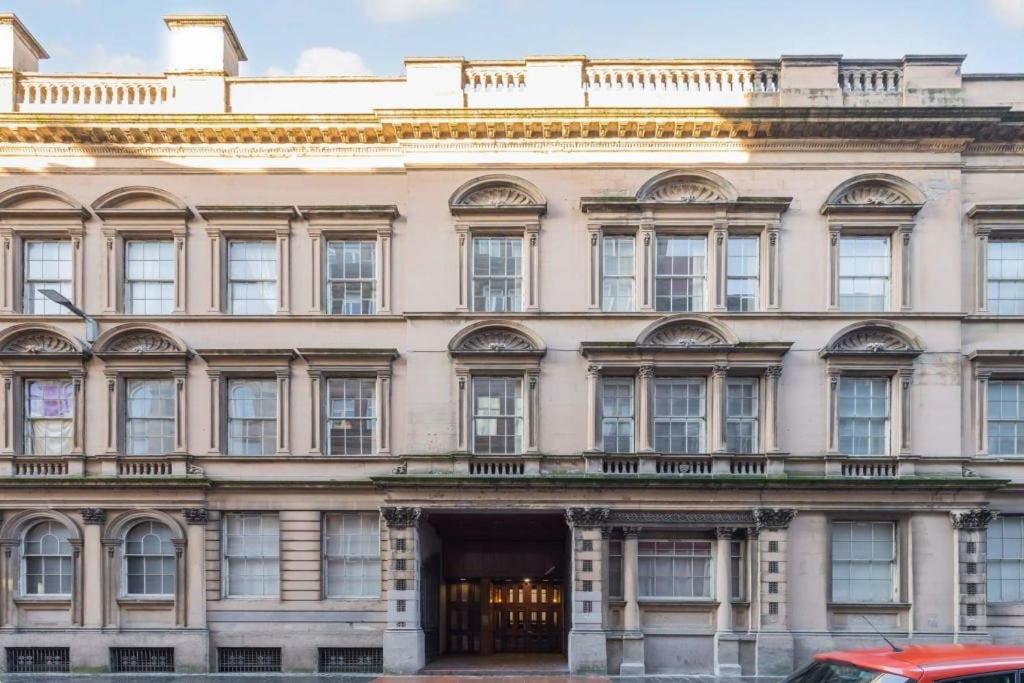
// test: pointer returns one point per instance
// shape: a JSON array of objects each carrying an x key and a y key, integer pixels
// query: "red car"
[{"x": 917, "y": 663}]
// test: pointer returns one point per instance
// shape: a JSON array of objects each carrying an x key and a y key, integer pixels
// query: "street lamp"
[{"x": 92, "y": 328}]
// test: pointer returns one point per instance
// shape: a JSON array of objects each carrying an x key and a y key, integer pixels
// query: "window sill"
[
  {"x": 677, "y": 602},
  {"x": 143, "y": 601},
  {"x": 868, "y": 606},
  {"x": 43, "y": 601}
]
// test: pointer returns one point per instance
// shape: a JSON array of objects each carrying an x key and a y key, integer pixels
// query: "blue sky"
[{"x": 373, "y": 36}]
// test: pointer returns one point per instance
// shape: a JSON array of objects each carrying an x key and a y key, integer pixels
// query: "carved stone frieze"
[
  {"x": 773, "y": 518},
  {"x": 977, "y": 519},
  {"x": 401, "y": 517},
  {"x": 587, "y": 517}
]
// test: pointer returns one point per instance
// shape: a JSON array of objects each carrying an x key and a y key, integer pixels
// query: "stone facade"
[{"x": 302, "y": 527}]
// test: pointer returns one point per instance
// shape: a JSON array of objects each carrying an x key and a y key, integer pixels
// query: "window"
[
  {"x": 863, "y": 561},
  {"x": 49, "y": 411},
  {"x": 48, "y": 265},
  {"x": 497, "y": 415},
  {"x": 741, "y": 274},
  {"x": 252, "y": 277},
  {"x": 863, "y": 273},
  {"x": 497, "y": 274},
  {"x": 1006, "y": 417},
  {"x": 615, "y": 589},
  {"x": 617, "y": 264},
  {"x": 737, "y": 574},
  {"x": 617, "y": 414},
  {"x": 251, "y": 554},
  {"x": 1006, "y": 277},
  {"x": 741, "y": 415},
  {"x": 679, "y": 415},
  {"x": 351, "y": 415},
  {"x": 149, "y": 277},
  {"x": 352, "y": 542},
  {"x": 252, "y": 416},
  {"x": 46, "y": 560},
  {"x": 680, "y": 270},
  {"x": 149, "y": 560},
  {"x": 674, "y": 569},
  {"x": 351, "y": 277},
  {"x": 863, "y": 415},
  {"x": 149, "y": 427},
  {"x": 1006, "y": 559}
]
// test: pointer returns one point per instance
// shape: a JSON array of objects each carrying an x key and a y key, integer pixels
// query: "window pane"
[
  {"x": 863, "y": 415},
  {"x": 680, "y": 268},
  {"x": 149, "y": 420},
  {"x": 863, "y": 273},
  {"x": 1006, "y": 417},
  {"x": 351, "y": 277},
  {"x": 497, "y": 405},
  {"x": 46, "y": 559},
  {"x": 496, "y": 269},
  {"x": 252, "y": 416},
  {"x": 251, "y": 554},
  {"x": 741, "y": 415},
  {"x": 149, "y": 277},
  {"x": 674, "y": 569},
  {"x": 863, "y": 561},
  {"x": 679, "y": 412},
  {"x": 252, "y": 278},
  {"x": 49, "y": 411},
  {"x": 1005, "y": 544},
  {"x": 47, "y": 266},
  {"x": 1006, "y": 277},
  {"x": 351, "y": 416},
  {"x": 149, "y": 560},
  {"x": 617, "y": 414},
  {"x": 741, "y": 283},
  {"x": 617, "y": 266},
  {"x": 352, "y": 551}
]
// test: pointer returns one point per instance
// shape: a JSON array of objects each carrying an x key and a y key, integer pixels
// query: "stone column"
[
  {"x": 972, "y": 554},
  {"x": 633, "y": 637},
  {"x": 8, "y": 574},
  {"x": 593, "y": 417},
  {"x": 771, "y": 408},
  {"x": 404, "y": 643},
  {"x": 727, "y": 648},
  {"x": 644, "y": 438},
  {"x": 92, "y": 563},
  {"x": 195, "y": 567},
  {"x": 588, "y": 650},
  {"x": 716, "y": 409},
  {"x": 774, "y": 640}
]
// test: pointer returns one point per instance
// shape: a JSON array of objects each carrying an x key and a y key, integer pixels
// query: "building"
[{"x": 686, "y": 366}]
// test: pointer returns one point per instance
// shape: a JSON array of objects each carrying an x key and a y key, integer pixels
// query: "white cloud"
[
  {"x": 104, "y": 61},
  {"x": 1010, "y": 11},
  {"x": 408, "y": 10},
  {"x": 324, "y": 61}
]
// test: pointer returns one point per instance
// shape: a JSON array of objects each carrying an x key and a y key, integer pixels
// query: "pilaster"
[
  {"x": 972, "y": 558},
  {"x": 774, "y": 640},
  {"x": 588, "y": 651},
  {"x": 404, "y": 642}
]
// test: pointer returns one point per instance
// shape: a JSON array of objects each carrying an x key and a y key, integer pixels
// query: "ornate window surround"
[
  {"x": 37, "y": 212},
  {"x": 499, "y": 205},
  {"x": 1003, "y": 220},
  {"x": 226, "y": 223},
  {"x": 694, "y": 346},
  {"x": 876, "y": 204},
  {"x": 500, "y": 348},
  {"x": 986, "y": 365},
  {"x": 35, "y": 350},
  {"x": 324, "y": 364},
  {"x": 873, "y": 348},
  {"x": 142, "y": 351},
  {"x": 116, "y": 578},
  {"x": 687, "y": 202},
  {"x": 11, "y": 534},
  {"x": 223, "y": 365},
  {"x": 324, "y": 223}
]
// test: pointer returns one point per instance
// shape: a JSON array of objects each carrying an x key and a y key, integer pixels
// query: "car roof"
[{"x": 937, "y": 661}]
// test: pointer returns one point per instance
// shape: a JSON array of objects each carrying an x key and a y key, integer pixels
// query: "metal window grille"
[
  {"x": 337, "y": 660},
  {"x": 588, "y": 606},
  {"x": 400, "y": 545},
  {"x": 773, "y": 609},
  {"x": 399, "y": 564},
  {"x": 401, "y": 584},
  {"x": 972, "y": 610},
  {"x": 248, "y": 659},
  {"x": 972, "y": 567},
  {"x": 773, "y": 587},
  {"x": 588, "y": 586},
  {"x": 141, "y": 660},
  {"x": 31, "y": 660},
  {"x": 972, "y": 547},
  {"x": 400, "y": 605},
  {"x": 773, "y": 567},
  {"x": 773, "y": 546},
  {"x": 588, "y": 565},
  {"x": 586, "y": 545},
  {"x": 972, "y": 589}
]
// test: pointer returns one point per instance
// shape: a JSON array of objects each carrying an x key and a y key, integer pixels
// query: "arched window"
[
  {"x": 46, "y": 558},
  {"x": 149, "y": 560}
]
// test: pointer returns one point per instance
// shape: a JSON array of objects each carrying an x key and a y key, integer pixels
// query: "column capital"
[
  {"x": 93, "y": 515},
  {"x": 977, "y": 519},
  {"x": 773, "y": 518},
  {"x": 646, "y": 371},
  {"x": 631, "y": 531},
  {"x": 196, "y": 515},
  {"x": 725, "y": 532},
  {"x": 401, "y": 517},
  {"x": 587, "y": 517},
  {"x": 774, "y": 371}
]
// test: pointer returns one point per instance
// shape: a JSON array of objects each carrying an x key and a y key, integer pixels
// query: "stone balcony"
[{"x": 202, "y": 77}]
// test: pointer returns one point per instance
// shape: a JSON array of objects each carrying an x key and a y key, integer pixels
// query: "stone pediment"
[
  {"x": 872, "y": 194},
  {"x": 496, "y": 341},
  {"x": 685, "y": 192},
  {"x": 870, "y": 340},
  {"x": 142, "y": 342},
  {"x": 497, "y": 193},
  {"x": 496, "y": 196},
  {"x": 878, "y": 193},
  {"x": 684, "y": 335},
  {"x": 37, "y": 342}
]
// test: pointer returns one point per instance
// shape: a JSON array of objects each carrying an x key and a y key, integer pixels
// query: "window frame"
[
  {"x": 23, "y": 557},
  {"x": 603, "y": 275},
  {"x": 519, "y": 421},
  {"x": 125, "y": 591},
  {"x": 272, "y": 419},
  {"x": 373, "y": 281},
  {"x": 26, "y": 247},
  {"x": 854, "y": 238},
  {"x": 230, "y": 282},
  {"x": 711, "y": 577},
  {"x": 1001, "y": 520},
  {"x": 990, "y": 366},
  {"x": 128, "y": 243},
  {"x": 126, "y": 381},
  {"x": 327, "y": 558},
  {"x": 373, "y": 403},
  {"x": 474, "y": 279},
  {"x": 898, "y": 227},
  {"x": 23, "y": 423},
  {"x": 991, "y": 222},
  {"x": 897, "y": 565},
  {"x": 887, "y": 419},
  {"x": 226, "y": 559},
  {"x": 629, "y": 380}
]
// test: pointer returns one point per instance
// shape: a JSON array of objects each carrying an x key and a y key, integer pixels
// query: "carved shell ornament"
[
  {"x": 872, "y": 195},
  {"x": 871, "y": 341},
  {"x": 143, "y": 342},
  {"x": 497, "y": 195},
  {"x": 496, "y": 341},
  {"x": 686, "y": 336},
  {"x": 686, "y": 192},
  {"x": 39, "y": 342}
]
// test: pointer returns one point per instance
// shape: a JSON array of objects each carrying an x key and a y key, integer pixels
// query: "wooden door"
[
  {"x": 527, "y": 616},
  {"x": 463, "y": 623}
]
